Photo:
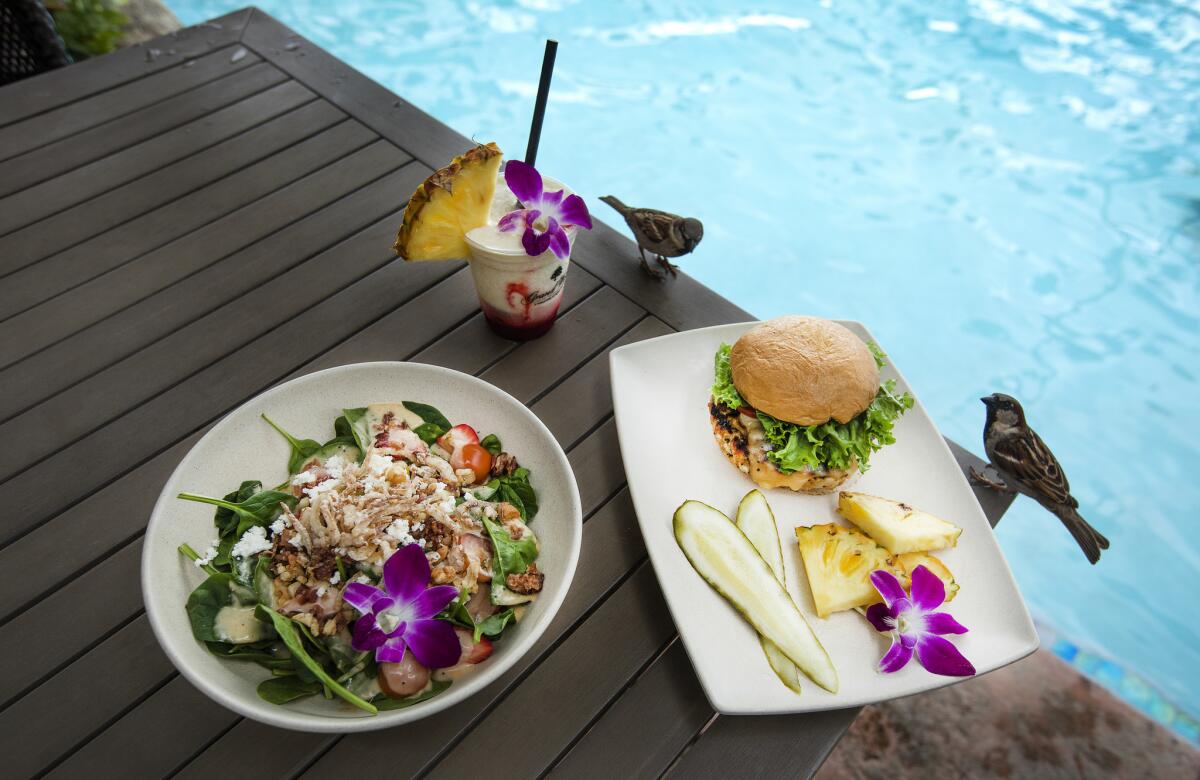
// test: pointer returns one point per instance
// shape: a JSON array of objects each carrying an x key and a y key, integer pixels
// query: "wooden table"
[{"x": 187, "y": 223}]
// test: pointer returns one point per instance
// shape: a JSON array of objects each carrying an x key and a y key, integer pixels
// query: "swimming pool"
[{"x": 1007, "y": 192}]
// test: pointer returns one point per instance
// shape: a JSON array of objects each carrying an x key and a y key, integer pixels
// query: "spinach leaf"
[
  {"x": 342, "y": 428},
  {"x": 360, "y": 427},
  {"x": 205, "y": 602},
  {"x": 491, "y": 443},
  {"x": 302, "y": 449},
  {"x": 510, "y": 556},
  {"x": 226, "y": 519},
  {"x": 286, "y": 629},
  {"x": 259, "y": 509},
  {"x": 495, "y": 624},
  {"x": 516, "y": 490},
  {"x": 385, "y": 703},
  {"x": 267, "y": 654},
  {"x": 281, "y": 690},
  {"x": 346, "y": 446},
  {"x": 187, "y": 552},
  {"x": 428, "y": 413},
  {"x": 456, "y": 611},
  {"x": 346, "y": 659},
  {"x": 429, "y": 432}
]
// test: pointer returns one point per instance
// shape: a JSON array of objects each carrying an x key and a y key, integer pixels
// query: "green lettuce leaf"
[
  {"x": 723, "y": 390},
  {"x": 832, "y": 444}
]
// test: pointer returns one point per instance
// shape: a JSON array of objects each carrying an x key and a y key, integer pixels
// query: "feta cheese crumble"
[
  {"x": 252, "y": 542},
  {"x": 400, "y": 531},
  {"x": 207, "y": 557}
]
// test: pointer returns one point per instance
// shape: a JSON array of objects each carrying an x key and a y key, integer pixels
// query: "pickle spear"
[
  {"x": 726, "y": 559},
  {"x": 755, "y": 520}
]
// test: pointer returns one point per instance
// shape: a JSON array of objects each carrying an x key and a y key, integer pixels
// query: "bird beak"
[{"x": 987, "y": 400}]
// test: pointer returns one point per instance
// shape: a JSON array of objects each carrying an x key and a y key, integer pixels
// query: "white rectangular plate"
[{"x": 660, "y": 395}]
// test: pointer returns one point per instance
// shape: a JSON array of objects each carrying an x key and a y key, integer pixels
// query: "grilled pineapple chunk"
[
  {"x": 452, "y": 201},
  {"x": 839, "y": 562},
  {"x": 897, "y": 526},
  {"x": 909, "y": 561}
]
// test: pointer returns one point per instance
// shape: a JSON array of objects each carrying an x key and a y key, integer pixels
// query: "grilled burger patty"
[{"x": 741, "y": 439}]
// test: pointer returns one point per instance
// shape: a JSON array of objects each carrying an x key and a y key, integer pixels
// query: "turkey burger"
[{"x": 797, "y": 403}]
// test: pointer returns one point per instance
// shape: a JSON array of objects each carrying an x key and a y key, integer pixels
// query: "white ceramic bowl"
[{"x": 242, "y": 446}]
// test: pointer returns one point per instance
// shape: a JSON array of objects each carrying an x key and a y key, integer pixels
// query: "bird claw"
[
  {"x": 668, "y": 265},
  {"x": 981, "y": 479},
  {"x": 653, "y": 274}
]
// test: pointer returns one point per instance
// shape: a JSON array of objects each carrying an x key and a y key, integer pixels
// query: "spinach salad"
[{"x": 380, "y": 571}]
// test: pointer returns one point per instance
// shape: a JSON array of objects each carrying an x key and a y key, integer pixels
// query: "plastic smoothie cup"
[{"x": 519, "y": 294}]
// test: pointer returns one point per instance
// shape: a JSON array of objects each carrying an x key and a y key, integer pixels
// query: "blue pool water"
[{"x": 1008, "y": 193}]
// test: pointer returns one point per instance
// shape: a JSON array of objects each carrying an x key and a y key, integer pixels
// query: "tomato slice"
[{"x": 473, "y": 457}]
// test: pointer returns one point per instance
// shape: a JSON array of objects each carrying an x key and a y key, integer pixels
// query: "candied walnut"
[
  {"x": 435, "y": 535},
  {"x": 530, "y": 581},
  {"x": 443, "y": 575},
  {"x": 323, "y": 564},
  {"x": 504, "y": 464}
]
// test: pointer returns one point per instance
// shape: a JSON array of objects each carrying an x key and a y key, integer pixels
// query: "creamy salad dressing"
[{"x": 238, "y": 625}]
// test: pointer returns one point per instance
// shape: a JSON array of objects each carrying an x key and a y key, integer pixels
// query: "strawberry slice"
[
  {"x": 483, "y": 648},
  {"x": 472, "y": 652},
  {"x": 457, "y": 436}
]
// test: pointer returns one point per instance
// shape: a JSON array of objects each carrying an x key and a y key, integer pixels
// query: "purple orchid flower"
[
  {"x": 400, "y": 617},
  {"x": 544, "y": 215},
  {"x": 915, "y": 626}
]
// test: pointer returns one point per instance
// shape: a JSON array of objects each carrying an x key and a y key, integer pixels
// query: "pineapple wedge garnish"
[
  {"x": 897, "y": 526},
  {"x": 452, "y": 201},
  {"x": 909, "y": 561},
  {"x": 839, "y": 562}
]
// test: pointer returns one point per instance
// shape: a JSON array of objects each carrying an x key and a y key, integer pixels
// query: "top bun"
[{"x": 804, "y": 370}]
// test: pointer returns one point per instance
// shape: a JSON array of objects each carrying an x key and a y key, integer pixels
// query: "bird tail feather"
[
  {"x": 613, "y": 201},
  {"x": 1088, "y": 538}
]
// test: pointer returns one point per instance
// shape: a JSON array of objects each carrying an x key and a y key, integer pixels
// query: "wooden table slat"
[
  {"x": 82, "y": 699},
  {"x": 764, "y": 746},
  {"x": 176, "y": 221},
  {"x": 178, "y": 282},
  {"x": 24, "y": 136},
  {"x": 71, "y": 474},
  {"x": 86, "y": 406},
  {"x": 388, "y": 114},
  {"x": 31, "y": 243},
  {"x": 569, "y": 689},
  {"x": 647, "y": 727},
  {"x": 127, "y": 164},
  {"x": 72, "y": 84},
  {"x": 140, "y": 742},
  {"x": 97, "y": 600},
  {"x": 58, "y": 157}
]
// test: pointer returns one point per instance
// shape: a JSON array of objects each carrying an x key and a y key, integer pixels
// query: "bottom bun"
[{"x": 740, "y": 438}]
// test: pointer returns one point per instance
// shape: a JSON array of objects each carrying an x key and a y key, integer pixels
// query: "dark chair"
[{"x": 29, "y": 44}]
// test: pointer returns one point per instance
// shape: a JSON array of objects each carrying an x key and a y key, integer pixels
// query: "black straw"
[{"x": 539, "y": 108}]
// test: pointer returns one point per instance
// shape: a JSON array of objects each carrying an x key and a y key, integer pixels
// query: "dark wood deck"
[{"x": 187, "y": 223}]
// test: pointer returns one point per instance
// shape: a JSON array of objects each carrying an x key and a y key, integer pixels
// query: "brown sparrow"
[
  {"x": 1027, "y": 466},
  {"x": 662, "y": 234}
]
